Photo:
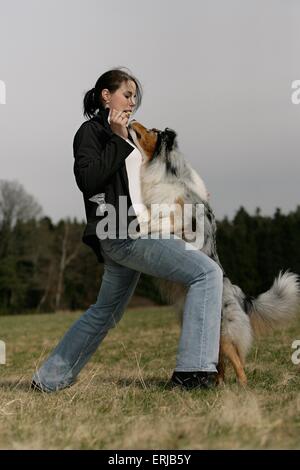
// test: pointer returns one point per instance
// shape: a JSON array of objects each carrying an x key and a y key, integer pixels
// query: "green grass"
[{"x": 121, "y": 399}]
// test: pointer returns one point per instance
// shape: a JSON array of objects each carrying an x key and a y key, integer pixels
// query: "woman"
[{"x": 105, "y": 171}]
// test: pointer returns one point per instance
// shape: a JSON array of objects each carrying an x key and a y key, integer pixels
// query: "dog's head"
[{"x": 152, "y": 143}]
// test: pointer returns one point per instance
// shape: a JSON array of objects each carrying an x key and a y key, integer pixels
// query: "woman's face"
[{"x": 123, "y": 99}]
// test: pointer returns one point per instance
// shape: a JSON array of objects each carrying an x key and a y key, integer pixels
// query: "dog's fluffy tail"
[{"x": 276, "y": 306}]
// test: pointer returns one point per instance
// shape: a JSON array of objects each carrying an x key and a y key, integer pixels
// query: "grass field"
[{"x": 121, "y": 399}]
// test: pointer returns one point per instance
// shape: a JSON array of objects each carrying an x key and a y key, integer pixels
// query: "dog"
[{"x": 166, "y": 177}]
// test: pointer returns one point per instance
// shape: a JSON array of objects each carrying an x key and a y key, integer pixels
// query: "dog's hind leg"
[
  {"x": 221, "y": 369},
  {"x": 229, "y": 350}
]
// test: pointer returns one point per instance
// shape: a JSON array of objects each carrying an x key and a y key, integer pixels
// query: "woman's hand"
[{"x": 118, "y": 122}]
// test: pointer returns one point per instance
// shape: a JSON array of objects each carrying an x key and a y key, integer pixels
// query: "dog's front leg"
[{"x": 144, "y": 223}]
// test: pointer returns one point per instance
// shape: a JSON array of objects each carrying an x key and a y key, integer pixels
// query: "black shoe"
[
  {"x": 190, "y": 380},
  {"x": 36, "y": 387}
]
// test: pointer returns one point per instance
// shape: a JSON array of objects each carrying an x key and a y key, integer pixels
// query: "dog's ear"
[{"x": 169, "y": 137}]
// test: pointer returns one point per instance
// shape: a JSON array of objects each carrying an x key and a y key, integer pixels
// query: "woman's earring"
[{"x": 106, "y": 104}]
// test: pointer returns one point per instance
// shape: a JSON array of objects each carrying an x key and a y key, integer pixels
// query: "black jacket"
[{"x": 101, "y": 175}]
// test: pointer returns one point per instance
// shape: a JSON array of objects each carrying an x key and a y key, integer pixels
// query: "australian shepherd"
[{"x": 167, "y": 178}]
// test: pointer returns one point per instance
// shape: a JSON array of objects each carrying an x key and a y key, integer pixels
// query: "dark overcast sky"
[{"x": 218, "y": 72}]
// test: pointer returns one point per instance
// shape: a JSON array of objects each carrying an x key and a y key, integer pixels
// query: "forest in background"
[{"x": 45, "y": 267}]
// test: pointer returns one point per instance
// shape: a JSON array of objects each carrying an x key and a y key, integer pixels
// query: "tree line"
[{"x": 45, "y": 267}]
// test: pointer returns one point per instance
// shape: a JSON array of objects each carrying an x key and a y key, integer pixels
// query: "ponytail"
[{"x": 89, "y": 103}]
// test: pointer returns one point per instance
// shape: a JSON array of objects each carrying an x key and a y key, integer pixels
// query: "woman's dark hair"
[{"x": 112, "y": 80}]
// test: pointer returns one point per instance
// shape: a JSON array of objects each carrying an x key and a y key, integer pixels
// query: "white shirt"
[{"x": 133, "y": 166}]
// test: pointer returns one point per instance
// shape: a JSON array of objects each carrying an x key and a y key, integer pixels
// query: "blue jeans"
[{"x": 125, "y": 259}]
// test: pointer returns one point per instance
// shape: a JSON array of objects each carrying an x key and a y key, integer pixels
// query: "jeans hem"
[{"x": 194, "y": 369}]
